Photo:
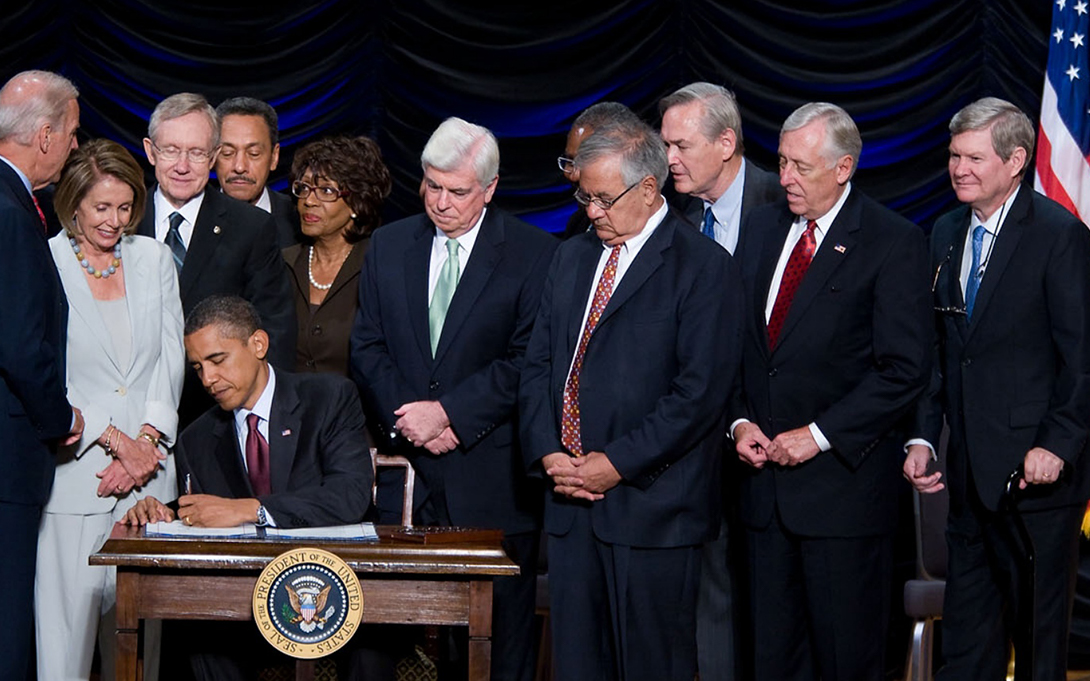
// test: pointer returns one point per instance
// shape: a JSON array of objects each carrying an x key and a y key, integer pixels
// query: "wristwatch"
[{"x": 262, "y": 517}]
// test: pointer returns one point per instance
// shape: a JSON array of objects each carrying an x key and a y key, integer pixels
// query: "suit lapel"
[
  {"x": 587, "y": 264},
  {"x": 228, "y": 458},
  {"x": 138, "y": 298},
  {"x": 417, "y": 259},
  {"x": 766, "y": 268},
  {"x": 81, "y": 302},
  {"x": 640, "y": 270},
  {"x": 954, "y": 294},
  {"x": 203, "y": 243},
  {"x": 284, "y": 426},
  {"x": 836, "y": 246},
  {"x": 1005, "y": 244},
  {"x": 487, "y": 252}
]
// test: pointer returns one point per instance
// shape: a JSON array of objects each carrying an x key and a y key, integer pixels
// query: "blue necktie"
[
  {"x": 709, "y": 223},
  {"x": 973, "y": 284},
  {"x": 174, "y": 240}
]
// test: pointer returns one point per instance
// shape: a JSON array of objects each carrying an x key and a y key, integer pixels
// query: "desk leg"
[
  {"x": 128, "y": 624},
  {"x": 480, "y": 630}
]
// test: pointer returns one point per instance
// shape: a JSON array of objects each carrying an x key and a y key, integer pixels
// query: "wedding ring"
[{"x": 188, "y": 521}]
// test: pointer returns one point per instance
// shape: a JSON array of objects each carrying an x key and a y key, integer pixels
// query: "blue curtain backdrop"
[{"x": 394, "y": 70}]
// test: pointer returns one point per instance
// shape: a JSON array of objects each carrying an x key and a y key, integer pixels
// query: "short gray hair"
[
  {"x": 841, "y": 134},
  {"x": 1011, "y": 128},
  {"x": 720, "y": 108},
  {"x": 22, "y": 114},
  {"x": 456, "y": 141},
  {"x": 181, "y": 104},
  {"x": 640, "y": 148}
]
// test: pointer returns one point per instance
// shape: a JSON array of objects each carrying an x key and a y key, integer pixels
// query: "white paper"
[
  {"x": 355, "y": 532},
  {"x": 179, "y": 529}
]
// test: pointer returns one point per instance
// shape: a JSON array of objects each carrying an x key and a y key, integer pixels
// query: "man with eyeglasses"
[
  {"x": 1012, "y": 298},
  {"x": 837, "y": 350},
  {"x": 622, "y": 411},
  {"x": 220, "y": 245},
  {"x": 718, "y": 188},
  {"x": 249, "y": 151},
  {"x": 593, "y": 118},
  {"x": 447, "y": 301}
]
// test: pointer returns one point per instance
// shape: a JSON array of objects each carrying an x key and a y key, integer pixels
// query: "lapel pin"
[
  {"x": 216, "y": 229},
  {"x": 286, "y": 432},
  {"x": 840, "y": 248}
]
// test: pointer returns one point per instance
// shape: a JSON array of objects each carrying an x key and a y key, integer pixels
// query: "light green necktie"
[{"x": 444, "y": 292}]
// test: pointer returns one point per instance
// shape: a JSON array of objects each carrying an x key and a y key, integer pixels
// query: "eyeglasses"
[
  {"x": 302, "y": 190},
  {"x": 946, "y": 309},
  {"x": 565, "y": 164},
  {"x": 584, "y": 200},
  {"x": 195, "y": 156}
]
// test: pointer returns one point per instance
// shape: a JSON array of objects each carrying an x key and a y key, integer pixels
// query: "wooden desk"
[{"x": 213, "y": 579}]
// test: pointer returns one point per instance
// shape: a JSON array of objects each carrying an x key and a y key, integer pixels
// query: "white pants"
[{"x": 74, "y": 601}]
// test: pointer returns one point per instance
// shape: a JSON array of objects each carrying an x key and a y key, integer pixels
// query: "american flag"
[{"x": 1063, "y": 144}]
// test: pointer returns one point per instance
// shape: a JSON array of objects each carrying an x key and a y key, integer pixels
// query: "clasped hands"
[
  {"x": 586, "y": 477},
  {"x": 425, "y": 424},
  {"x": 135, "y": 462},
  {"x": 199, "y": 510},
  {"x": 789, "y": 448}
]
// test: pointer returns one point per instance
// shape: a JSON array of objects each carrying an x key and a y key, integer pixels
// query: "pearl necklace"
[
  {"x": 310, "y": 270},
  {"x": 86, "y": 264}
]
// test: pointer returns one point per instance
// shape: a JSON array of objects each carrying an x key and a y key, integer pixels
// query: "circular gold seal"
[{"x": 307, "y": 603}]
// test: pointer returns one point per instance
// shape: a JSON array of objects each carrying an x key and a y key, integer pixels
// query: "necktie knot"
[
  {"x": 709, "y": 223},
  {"x": 176, "y": 220},
  {"x": 252, "y": 420},
  {"x": 811, "y": 225},
  {"x": 452, "y": 248}
]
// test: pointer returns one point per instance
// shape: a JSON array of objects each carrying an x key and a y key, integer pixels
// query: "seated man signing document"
[{"x": 280, "y": 449}]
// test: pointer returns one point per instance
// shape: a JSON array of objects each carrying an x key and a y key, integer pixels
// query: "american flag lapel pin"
[
  {"x": 840, "y": 248},
  {"x": 286, "y": 432}
]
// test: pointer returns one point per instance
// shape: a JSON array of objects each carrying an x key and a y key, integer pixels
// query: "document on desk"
[
  {"x": 179, "y": 529},
  {"x": 354, "y": 532}
]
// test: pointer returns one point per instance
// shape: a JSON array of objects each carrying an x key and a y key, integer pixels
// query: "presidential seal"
[{"x": 307, "y": 603}]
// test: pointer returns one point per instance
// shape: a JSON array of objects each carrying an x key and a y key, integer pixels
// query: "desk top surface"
[{"x": 128, "y": 547}]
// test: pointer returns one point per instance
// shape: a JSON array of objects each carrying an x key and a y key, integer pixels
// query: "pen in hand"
[{"x": 188, "y": 483}]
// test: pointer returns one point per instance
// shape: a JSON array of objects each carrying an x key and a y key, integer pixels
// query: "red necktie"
[
  {"x": 570, "y": 429},
  {"x": 257, "y": 457},
  {"x": 41, "y": 215},
  {"x": 796, "y": 268}
]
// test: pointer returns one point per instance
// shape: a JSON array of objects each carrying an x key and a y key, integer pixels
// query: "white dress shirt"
[
  {"x": 439, "y": 253},
  {"x": 189, "y": 211}
]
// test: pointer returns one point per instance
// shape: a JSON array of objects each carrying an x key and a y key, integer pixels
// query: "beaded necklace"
[{"x": 86, "y": 264}]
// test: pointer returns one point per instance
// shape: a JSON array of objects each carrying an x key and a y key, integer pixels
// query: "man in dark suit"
[
  {"x": 837, "y": 350},
  {"x": 622, "y": 406},
  {"x": 1012, "y": 289},
  {"x": 286, "y": 450},
  {"x": 249, "y": 151},
  {"x": 39, "y": 117},
  {"x": 702, "y": 129},
  {"x": 447, "y": 301},
  {"x": 220, "y": 245}
]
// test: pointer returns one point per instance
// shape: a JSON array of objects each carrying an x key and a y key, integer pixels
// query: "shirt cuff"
[
  {"x": 925, "y": 443},
  {"x": 819, "y": 437},
  {"x": 735, "y": 425}
]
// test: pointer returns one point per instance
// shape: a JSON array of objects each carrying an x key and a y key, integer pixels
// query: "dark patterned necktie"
[
  {"x": 174, "y": 240},
  {"x": 571, "y": 434},
  {"x": 797, "y": 264}
]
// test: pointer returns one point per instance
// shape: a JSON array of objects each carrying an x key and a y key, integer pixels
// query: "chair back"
[{"x": 395, "y": 461}]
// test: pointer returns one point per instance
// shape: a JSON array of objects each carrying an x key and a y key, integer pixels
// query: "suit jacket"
[
  {"x": 654, "y": 385},
  {"x": 319, "y": 464},
  {"x": 475, "y": 372},
  {"x": 233, "y": 251},
  {"x": 288, "y": 231},
  {"x": 1016, "y": 375},
  {"x": 853, "y": 356},
  {"x": 145, "y": 390},
  {"x": 760, "y": 188},
  {"x": 322, "y": 341},
  {"x": 34, "y": 411}
]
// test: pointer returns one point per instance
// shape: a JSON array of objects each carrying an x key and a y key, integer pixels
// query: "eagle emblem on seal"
[{"x": 308, "y": 601}]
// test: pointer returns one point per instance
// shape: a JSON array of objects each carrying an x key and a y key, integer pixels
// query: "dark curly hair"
[{"x": 355, "y": 164}]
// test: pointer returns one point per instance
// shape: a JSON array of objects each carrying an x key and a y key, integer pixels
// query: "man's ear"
[{"x": 258, "y": 342}]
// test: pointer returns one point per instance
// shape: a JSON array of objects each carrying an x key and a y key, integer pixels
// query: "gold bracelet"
[
  {"x": 144, "y": 435},
  {"x": 106, "y": 444}
]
